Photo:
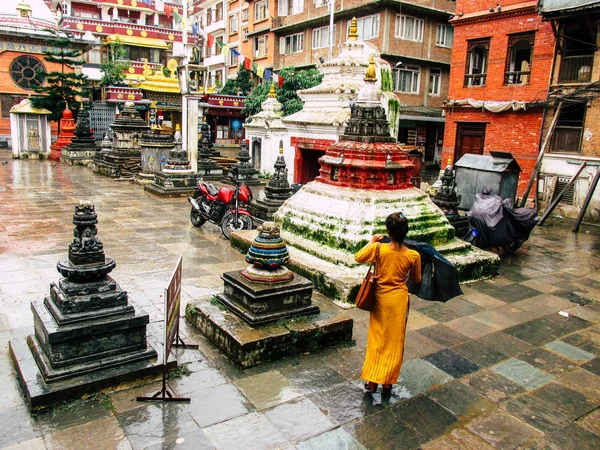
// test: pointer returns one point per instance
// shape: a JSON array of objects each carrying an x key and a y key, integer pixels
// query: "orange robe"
[{"x": 387, "y": 324}]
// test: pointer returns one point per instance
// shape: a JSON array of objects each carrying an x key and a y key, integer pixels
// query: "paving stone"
[
  {"x": 503, "y": 431},
  {"x": 253, "y": 430},
  {"x": 591, "y": 422},
  {"x": 202, "y": 377},
  {"x": 459, "y": 439},
  {"x": 583, "y": 381},
  {"x": 101, "y": 434},
  {"x": 481, "y": 354},
  {"x": 460, "y": 399},
  {"x": 573, "y": 437},
  {"x": 584, "y": 312},
  {"x": 493, "y": 386},
  {"x": 443, "y": 335},
  {"x": 73, "y": 413},
  {"x": 483, "y": 300},
  {"x": 547, "y": 361},
  {"x": 516, "y": 292},
  {"x": 537, "y": 413},
  {"x": 418, "y": 375},
  {"x": 470, "y": 327},
  {"x": 452, "y": 363},
  {"x": 495, "y": 319},
  {"x": 462, "y": 307},
  {"x": 344, "y": 402},
  {"x": 574, "y": 297},
  {"x": 416, "y": 321},
  {"x": 385, "y": 431},
  {"x": 299, "y": 419},
  {"x": 267, "y": 389},
  {"x": 217, "y": 404},
  {"x": 424, "y": 414},
  {"x": 21, "y": 425},
  {"x": 505, "y": 343},
  {"x": 546, "y": 303},
  {"x": 564, "y": 399},
  {"x": 522, "y": 373},
  {"x": 334, "y": 439},
  {"x": 570, "y": 351},
  {"x": 439, "y": 312},
  {"x": 532, "y": 333},
  {"x": 585, "y": 340},
  {"x": 312, "y": 376},
  {"x": 416, "y": 345}
]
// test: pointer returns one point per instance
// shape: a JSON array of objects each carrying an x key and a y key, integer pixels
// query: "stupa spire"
[
  {"x": 353, "y": 33},
  {"x": 272, "y": 93},
  {"x": 371, "y": 75}
]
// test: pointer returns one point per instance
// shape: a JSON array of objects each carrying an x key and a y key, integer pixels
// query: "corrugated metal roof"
[
  {"x": 566, "y": 5},
  {"x": 497, "y": 162}
]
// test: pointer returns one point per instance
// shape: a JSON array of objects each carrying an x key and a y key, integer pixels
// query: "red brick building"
[{"x": 499, "y": 79}]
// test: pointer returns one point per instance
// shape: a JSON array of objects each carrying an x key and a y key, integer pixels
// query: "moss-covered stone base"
[{"x": 249, "y": 346}]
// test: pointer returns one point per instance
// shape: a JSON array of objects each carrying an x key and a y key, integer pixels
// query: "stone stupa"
[{"x": 364, "y": 177}]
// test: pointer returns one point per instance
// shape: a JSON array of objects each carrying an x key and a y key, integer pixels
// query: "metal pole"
[
  {"x": 559, "y": 196},
  {"x": 331, "y": 30},
  {"x": 587, "y": 200}
]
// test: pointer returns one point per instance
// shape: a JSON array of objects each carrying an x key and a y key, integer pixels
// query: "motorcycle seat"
[{"x": 212, "y": 190}]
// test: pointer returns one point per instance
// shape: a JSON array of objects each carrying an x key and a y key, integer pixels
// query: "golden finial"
[
  {"x": 353, "y": 33},
  {"x": 449, "y": 161},
  {"x": 272, "y": 93},
  {"x": 281, "y": 147},
  {"x": 371, "y": 75}
]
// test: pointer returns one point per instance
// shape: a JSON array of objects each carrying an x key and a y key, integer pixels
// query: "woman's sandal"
[
  {"x": 371, "y": 387},
  {"x": 387, "y": 390}
]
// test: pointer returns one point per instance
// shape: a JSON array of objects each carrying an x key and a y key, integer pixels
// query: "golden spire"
[
  {"x": 449, "y": 161},
  {"x": 371, "y": 75},
  {"x": 281, "y": 147},
  {"x": 353, "y": 33},
  {"x": 272, "y": 93}
]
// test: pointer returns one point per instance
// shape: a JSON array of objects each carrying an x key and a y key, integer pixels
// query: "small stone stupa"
[
  {"x": 448, "y": 200},
  {"x": 207, "y": 168},
  {"x": 87, "y": 335},
  {"x": 263, "y": 304},
  {"x": 246, "y": 173},
  {"x": 277, "y": 191},
  {"x": 364, "y": 177},
  {"x": 65, "y": 136},
  {"x": 155, "y": 150},
  {"x": 82, "y": 149},
  {"x": 125, "y": 157}
]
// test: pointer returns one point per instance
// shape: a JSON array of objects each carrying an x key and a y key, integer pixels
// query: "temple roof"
[
  {"x": 30, "y": 17},
  {"x": 563, "y": 6},
  {"x": 25, "y": 107}
]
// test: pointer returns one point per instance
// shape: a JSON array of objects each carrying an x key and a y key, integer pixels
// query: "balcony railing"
[
  {"x": 475, "y": 79},
  {"x": 576, "y": 69},
  {"x": 517, "y": 77}
]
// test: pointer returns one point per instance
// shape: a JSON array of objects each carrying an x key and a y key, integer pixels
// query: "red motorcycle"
[{"x": 225, "y": 207}]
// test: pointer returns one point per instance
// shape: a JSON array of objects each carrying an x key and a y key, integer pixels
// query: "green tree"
[
  {"x": 114, "y": 65},
  {"x": 61, "y": 88},
  {"x": 241, "y": 85},
  {"x": 293, "y": 81}
]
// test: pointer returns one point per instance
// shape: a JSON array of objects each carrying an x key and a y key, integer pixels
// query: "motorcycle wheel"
[
  {"x": 196, "y": 218},
  {"x": 513, "y": 246},
  {"x": 228, "y": 223}
]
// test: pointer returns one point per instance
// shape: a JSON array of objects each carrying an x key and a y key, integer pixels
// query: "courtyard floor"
[{"x": 513, "y": 363}]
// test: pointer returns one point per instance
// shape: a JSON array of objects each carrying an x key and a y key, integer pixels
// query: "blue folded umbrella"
[{"x": 440, "y": 278}]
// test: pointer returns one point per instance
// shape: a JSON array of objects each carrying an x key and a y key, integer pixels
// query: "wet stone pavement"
[{"x": 514, "y": 363}]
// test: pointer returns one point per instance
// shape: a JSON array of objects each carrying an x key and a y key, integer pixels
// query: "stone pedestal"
[
  {"x": 246, "y": 173},
  {"x": 65, "y": 136},
  {"x": 82, "y": 149},
  {"x": 124, "y": 160},
  {"x": 177, "y": 178},
  {"x": 207, "y": 168},
  {"x": 87, "y": 335},
  {"x": 155, "y": 149}
]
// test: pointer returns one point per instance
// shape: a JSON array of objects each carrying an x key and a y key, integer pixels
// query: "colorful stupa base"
[{"x": 279, "y": 275}]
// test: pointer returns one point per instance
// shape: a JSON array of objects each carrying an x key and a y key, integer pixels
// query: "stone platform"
[
  {"x": 341, "y": 283},
  {"x": 173, "y": 184},
  {"x": 249, "y": 346},
  {"x": 39, "y": 393}
]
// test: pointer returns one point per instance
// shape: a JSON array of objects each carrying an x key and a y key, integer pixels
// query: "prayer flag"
[
  {"x": 194, "y": 29},
  {"x": 210, "y": 40},
  {"x": 276, "y": 78},
  {"x": 267, "y": 75},
  {"x": 225, "y": 49},
  {"x": 147, "y": 2},
  {"x": 176, "y": 16},
  {"x": 247, "y": 63},
  {"x": 235, "y": 52},
  {"x": 168, "y": 11},
  {"x": 254, "y": 67},
  {"x": 220, "y": 43},
  {"x": 280, "y": 82},
  {"x": 260, "y": 70}
]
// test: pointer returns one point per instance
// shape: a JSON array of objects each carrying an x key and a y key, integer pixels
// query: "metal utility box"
[{"x": 499, "y": 171}]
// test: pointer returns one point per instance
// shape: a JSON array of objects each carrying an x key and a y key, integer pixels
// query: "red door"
[{"x": 469, "y": 139}]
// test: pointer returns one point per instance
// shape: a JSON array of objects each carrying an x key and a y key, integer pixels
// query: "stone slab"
[
  {"x": 39, "y": 393},
  {"x": 522, "y": 373},
  {"x": 249, "y": 346},
  {"x": 341, "y": 283}
]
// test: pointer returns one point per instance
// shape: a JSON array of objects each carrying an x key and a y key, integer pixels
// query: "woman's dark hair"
[{"x": 397, "y": 226}]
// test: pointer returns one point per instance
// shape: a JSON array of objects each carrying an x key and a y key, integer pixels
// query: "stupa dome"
[{"x": 26, "y": 17}]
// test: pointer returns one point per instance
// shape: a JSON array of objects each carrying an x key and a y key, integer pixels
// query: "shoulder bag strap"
[{"x": 376, "y": 260}]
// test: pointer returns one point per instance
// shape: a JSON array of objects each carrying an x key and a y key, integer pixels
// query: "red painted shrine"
[{"x": 65, "y": 136}]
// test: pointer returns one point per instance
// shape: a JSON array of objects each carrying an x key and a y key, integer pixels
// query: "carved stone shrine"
[
  {"x": 447, "y": 200},
  {"x": 87, "y": 335},
  {"x": 277, "y": 191},
  {"x": 207, "y": 168},
  {"x": 269, "y": 310},
  {"x": 82, "y": 149},
  {"x": 246, "y": 173},
  {"x": 65, "y": 135},
  {"x": 124, "y": 160},
  {"x": 155, "y": 150}
]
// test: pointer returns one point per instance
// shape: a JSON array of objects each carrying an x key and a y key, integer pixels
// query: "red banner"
[{"x": 172, "y": 304}]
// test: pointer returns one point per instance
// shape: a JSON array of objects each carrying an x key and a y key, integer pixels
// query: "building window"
[
  {"x": 407, "y": 79},
  {"x": 245, "y": 34},
  {"x": 8, "y": 101},
  {"x": 218, "y": 79},
  {"x": 245, "y": 15},
  {"x": 142, "y": 54},
  {"x": 86, "y": 14},
  {"x": 233, "y": 24},
  {"x": 291, "y": 44},
  {"x": 477, "y": 60},
  {"x": 27, "y": 72},
  {"x": 261, "y": 10},
  {"x": 93, "y": 56},
  {"x": 569, "y": 128},
  {"x": 232, "y": 60},
  {"x": 320, "y": 37},
  {"x": 290, "y": 7},
  {"x": 444, "y": 36},
  {"x": 518, "y": 58},
  {"x": 578, "y": 48},
  {"x": 409, "y": 28},
  {"x": 260, "y": 46},
  {"x": 219, "y": 12},
  {"x": 435, "y": 81},
  {"x": 319, "y": 3},
  {"x": 368, "y": 27}
]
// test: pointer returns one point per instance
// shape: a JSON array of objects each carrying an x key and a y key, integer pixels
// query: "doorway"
[
  {"x": 470, "y": 138},
  {"x": 308, "y": 164}
]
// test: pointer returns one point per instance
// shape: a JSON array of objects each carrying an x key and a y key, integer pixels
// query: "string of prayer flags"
[
  {"x": 267, "y": 75},
  {"x": 176, "y": 16},
  {"x": 235, "y": 53},
  {"x": 168, "y": 11},
  {"x": 210, "y": 40},
  {"x": 260, "y": 71},
  {"x": 247, "y": 63}
]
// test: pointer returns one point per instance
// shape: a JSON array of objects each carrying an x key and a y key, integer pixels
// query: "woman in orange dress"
[{"x": 387, "y": 324}]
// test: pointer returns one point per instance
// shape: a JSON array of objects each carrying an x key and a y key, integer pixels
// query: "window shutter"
[{"x": 282, "y": 46}]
